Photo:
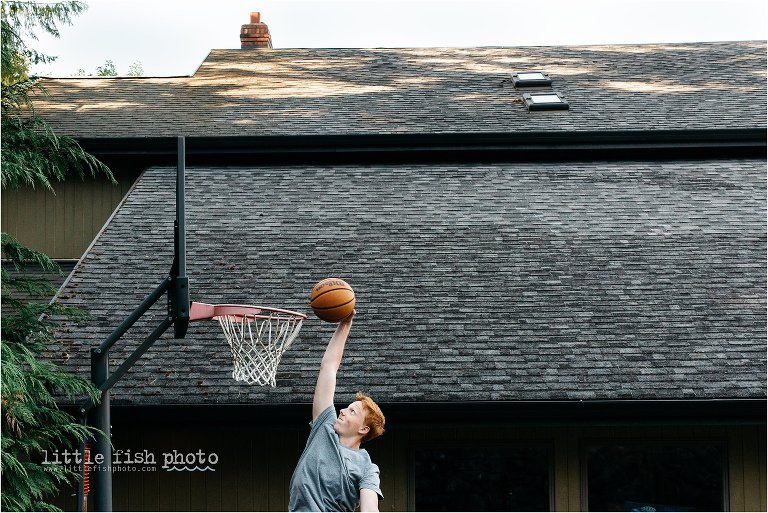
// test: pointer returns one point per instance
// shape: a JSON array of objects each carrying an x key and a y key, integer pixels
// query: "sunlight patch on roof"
[
  {"x": 647, "y": 48},
  {"x": 657, "y": 86},
  {"x": 470, "y": 97},
  {"x": 278, "y": 87},
  {"x": 96, "y": 105},
  {"x": 418, "y": 80},
  {"x": 517, "y": 60},
  {"x": 567, "y": 69},
  {"x": 436, "y": 60},
  {"x": 56, "y": 105},
  {"x": 480, "y": 67}
]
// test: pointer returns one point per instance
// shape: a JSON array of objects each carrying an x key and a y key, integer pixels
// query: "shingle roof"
[
  {"x": 535, "y": 281},
  {"x": 55, "y": 279},
  {"x": 372, "y": 91}
]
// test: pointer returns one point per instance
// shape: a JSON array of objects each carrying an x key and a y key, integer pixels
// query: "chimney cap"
[{"x": 255, "y": 34}]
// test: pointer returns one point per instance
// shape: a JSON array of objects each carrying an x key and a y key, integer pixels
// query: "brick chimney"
[{"x": 255, "y": 34}]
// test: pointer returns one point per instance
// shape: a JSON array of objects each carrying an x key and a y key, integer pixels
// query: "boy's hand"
[{"x": 348, "y": 320}]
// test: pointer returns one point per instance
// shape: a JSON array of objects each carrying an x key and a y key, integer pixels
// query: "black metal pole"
[
  {"x": 177, "y": 286},
  {"x": 178, "y": 292},
  {"x": 181, "y": 241},
  {"x": 102, "y": 446}
]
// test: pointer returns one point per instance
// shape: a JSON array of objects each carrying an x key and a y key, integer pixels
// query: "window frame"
[
  {"x": 586, "y": 443},
  {"x": 438, "y": 444}
]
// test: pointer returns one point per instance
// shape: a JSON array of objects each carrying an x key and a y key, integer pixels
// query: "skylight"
[
  {"x": 531, "y": 79},
  {"x": 545, "y": 101},
  {"x": 531, "y": 76}
]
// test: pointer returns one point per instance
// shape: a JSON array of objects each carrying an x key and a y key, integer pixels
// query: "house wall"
[
  {"x": 255, "y": 464},
  {"x": 63, "y": 223}
]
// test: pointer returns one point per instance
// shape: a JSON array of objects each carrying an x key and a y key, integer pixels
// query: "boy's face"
[{"x": 351, "y": 421}]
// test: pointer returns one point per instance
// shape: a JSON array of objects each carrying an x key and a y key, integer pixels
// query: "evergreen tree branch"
[{"x": 31, "y": 154}]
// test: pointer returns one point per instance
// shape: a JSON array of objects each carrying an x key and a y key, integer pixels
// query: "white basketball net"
[{"x": 258, "y": 343}]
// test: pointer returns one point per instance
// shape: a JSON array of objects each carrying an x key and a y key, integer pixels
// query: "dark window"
[
  {"x": 655, "y": 477},
  {"x": 483, "y": 479}
]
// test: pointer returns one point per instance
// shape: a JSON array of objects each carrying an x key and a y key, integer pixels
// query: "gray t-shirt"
[{"x": 329, "y": 476}]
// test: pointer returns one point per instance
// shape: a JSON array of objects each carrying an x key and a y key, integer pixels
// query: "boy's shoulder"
[
  {"x": 328, "y": 414},
  {"x": 366, "y": 458}
]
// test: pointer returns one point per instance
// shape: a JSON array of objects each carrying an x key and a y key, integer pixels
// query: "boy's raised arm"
[{"x": 326, "y": 379}]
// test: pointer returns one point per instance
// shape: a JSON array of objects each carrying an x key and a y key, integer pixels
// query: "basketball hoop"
[{"x": 257, "y": 335}]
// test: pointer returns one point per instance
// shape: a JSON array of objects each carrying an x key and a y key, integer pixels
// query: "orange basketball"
[{"x": 332, "y": 299}]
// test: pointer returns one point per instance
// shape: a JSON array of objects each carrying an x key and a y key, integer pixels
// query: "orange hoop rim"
[{"x": 204, "y": 312}]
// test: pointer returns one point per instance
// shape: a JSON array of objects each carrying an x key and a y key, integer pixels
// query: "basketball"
[{"x": 332, "y": 299}]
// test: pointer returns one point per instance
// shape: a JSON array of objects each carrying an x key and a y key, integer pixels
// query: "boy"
[{"x": 333, "y": 473}]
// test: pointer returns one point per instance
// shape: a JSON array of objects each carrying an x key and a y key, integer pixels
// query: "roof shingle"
[
  {"x": 426, "y": 90},
  {"x": 630, "y": 280}
]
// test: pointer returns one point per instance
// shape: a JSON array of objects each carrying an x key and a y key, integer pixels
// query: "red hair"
[{"x": 374, "y": 418}]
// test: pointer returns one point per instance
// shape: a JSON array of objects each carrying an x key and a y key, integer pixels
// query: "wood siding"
[
  {"x": 255, "y": 465},
  {"x": 62, "y": 225}
]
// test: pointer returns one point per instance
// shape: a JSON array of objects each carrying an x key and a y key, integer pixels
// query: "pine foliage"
[
  {"x": 33, "y": 155},
  {"x": 23, "y": 19},
  {"x": 31, "y": 419}
]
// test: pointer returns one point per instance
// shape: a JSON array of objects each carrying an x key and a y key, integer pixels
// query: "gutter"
[{"x": 440, "y": 147}]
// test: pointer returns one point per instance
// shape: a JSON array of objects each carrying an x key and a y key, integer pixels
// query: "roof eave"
[
  {"x": 415, "y": 413},
  {"x": 440, "y": 147}
]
